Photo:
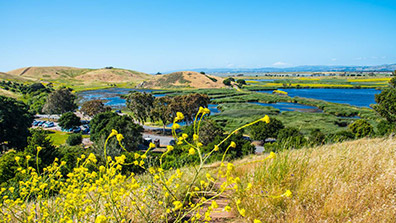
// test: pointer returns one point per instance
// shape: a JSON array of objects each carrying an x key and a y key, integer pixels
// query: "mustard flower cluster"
[{"x": 101, "y": 193}]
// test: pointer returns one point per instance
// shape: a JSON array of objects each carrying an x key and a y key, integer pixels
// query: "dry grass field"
[{"x": 348, "y": 182}]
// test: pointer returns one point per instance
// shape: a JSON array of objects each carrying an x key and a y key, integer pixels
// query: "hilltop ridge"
[{"x": 184, "y": 79}]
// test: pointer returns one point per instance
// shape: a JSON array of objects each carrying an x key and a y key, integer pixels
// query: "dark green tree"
[
  {"x": 262, "y": 130},
  {"x": 41, "y": 139},
  {"x": 60, "y": 101},
  {"x": 241, "y": 81},
  {"x": 161, "y": 111},
  {"x": 208, "y": 131},
  {"x": 361, "y": 128},
  {"x": 74, "y": 139},
  {"x": 37, "y": 102},
  {"x": 188, "y": 105},
  {"x": 94, "y": 107},
  {"x": 15, "y": 121},
  {"x": 140, "y": 103},
  {"x": 386, "y": 102},
  {"x": 69, "y": 120},
  {"x": 102, "y": 125},
  {"x": 227, "y": 82}
]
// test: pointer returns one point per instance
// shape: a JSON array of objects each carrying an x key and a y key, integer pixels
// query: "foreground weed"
[{"x": 101, "y": 193}]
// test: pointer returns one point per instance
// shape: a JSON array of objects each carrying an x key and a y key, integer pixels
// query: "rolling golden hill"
[
  {"x": 112, "y": 75},
  {"x": 184, "y": 79}
]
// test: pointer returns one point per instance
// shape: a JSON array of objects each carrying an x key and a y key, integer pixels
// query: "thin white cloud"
[
  {"x": 279, "y": 64},
  {"x": 333, "y": 59}
]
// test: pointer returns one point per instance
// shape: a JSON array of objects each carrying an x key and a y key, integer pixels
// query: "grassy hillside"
[
  {"x": 8, "y": 93},
  {"x": 81, "y": 78},
  {"x": 347, "y": 182},
  {"x": 11, "y": 77},
  {"x": 184, "y": 79}
]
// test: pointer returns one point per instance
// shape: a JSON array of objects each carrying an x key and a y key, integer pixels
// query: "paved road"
[{"x": 164, "y": 140}]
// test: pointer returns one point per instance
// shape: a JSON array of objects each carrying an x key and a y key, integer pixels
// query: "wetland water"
[
  {"x": 112, "y": 97},
  {"x": 358, "y": 97},
  {"x": 287, "y": 106}
]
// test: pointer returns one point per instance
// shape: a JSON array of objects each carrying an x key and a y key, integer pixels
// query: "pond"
[
  {"x": 263, "y": 80},
  {"x": 287, "y": 106},
  {"x": 358, "y": 97},
  {"x": 111, "y": 96}
]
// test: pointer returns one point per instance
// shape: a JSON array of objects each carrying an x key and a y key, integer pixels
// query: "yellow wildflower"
[
  {"x": 265, "y": 119},
  {"x": 272, "y": 155},
  {"x": 191, "y": 151},
  {"x": 101, "y": 219},
  {"x": 216, "y": 148},
  {"x": 17, "y": 158},
  {"x": 177, "y": 205},
  {"x": 113, "y": 133},
  {"x": 169, "y": 148},
  {"x": 175, "y": 126},
  {"x": 227, "y": 208},
  {"x": 242, "y": 212},
  {"x": 232, "y": 144},
  {"x": 119, "y": 137},
  {"x": 179, "y": 116},
  {"x": 206, "y": 111},
  {"x": 288, "y": 193},
  {"x": 184, "y": 136},
  {"x": 39, "y": 148},
  {"x": 195, "y": 137},
  {"x": 152, "y": 145},
  {"x": 256, "y": 221}
]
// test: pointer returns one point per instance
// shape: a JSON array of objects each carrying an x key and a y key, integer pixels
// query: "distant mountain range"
[{"x": 305, "y": 68}]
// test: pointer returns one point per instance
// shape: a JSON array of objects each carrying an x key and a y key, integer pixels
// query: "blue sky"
[{"x": 165, "y": 35}]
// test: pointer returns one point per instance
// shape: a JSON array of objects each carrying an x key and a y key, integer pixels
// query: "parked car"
[
  {"x": 86, "y": 131},
  {"x": 41, "y": 123},
  {"x": 147, "y": 141},
  {"x": 84, "y": 122},
  {"x": 172, "y": 142},
  {"x": 48, "y": 125},
  {"x": 76, "y": 129}
]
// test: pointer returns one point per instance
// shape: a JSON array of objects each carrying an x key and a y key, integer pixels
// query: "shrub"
[
  {"x": 385, "y": 128},
  {"x": 102, "y": 125},
  {"x": 9, "y": 166},
  {"x": 74, "y": 139},
  {"x": 48, "y": 152},
  {"x": 262, "y": 131},
  {"x": 341, "y": 136},
  {"x": 69, "y": 120},
  {"x": 317, "y": 137},
  {"x": 291, "y": 138},
  {"x": 361, "y": 128}
]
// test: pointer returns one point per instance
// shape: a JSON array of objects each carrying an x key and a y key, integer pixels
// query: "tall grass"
[{"x": 348, "y": 182}]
